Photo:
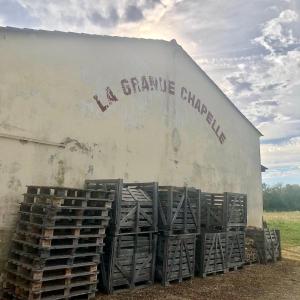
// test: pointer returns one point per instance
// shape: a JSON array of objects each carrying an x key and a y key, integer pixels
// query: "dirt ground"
[{"x": 280, "y": 281}]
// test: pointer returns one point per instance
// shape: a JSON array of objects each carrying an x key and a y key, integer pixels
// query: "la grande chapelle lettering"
[{"x": 134, "y": 85}]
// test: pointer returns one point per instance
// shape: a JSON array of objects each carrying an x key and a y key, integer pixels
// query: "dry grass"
[{"x": 291, "y": 216}]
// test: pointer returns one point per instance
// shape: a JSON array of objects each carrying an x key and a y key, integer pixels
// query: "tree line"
[{"x": 281, "y": 197}]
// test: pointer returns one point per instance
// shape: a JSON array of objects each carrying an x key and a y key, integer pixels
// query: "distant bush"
[{"x": 281, "y": 198}]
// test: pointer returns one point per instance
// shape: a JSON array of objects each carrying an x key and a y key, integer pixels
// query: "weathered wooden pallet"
[
  {"x": 56, "y": 234},
  {"x": 43, "y": 285},
  {"x": 63, "y": 211},
  {"x": 56, "y": 243},
  {"x": 67, "y": 202},
  {"x": 175, "y": 258},
  {"x": 54, "y": 275},
  {"x": 54, "y": 221},
  {"x": 66, "y": 197},
  {"x": 179, "y": 209},
  {"x": 222, "y": 211},
  {"x": 134, "y": 207},
  {"x": 7, "y": 295},
  {"x": 128, "y": 262},
  {"x": 31, "y": 249},
  {"x": 65, "y": 192},
  {"x": 50, "y": 219},
  {"x": 36, "y": 226},
  {"x": 44, "y": 252},
  {"x": 56, "y": 259},
  {"x": 50, "y": 272},
  {"x": 50, "y": 293}
]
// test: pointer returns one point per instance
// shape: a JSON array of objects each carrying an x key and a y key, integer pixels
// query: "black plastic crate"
[
  {"x": 175, "y": 258},
  {"x": 134, "y": 206},
  {"x": 179, "y": 209}
]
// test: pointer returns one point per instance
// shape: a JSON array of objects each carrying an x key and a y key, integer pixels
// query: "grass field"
[{"x": 289, "y": 225}]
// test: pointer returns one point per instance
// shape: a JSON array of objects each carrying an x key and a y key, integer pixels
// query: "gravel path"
[{"x": 278, "y": 281}]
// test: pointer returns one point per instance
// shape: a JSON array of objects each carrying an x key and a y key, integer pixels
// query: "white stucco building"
[{"x": 77, "y": 106}]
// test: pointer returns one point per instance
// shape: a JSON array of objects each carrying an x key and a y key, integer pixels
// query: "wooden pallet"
[
  {"x": 56, "y": 243},
  {"x": 89, "y": 254},
  {"x": 21, "y": 291},
  {"x": 220, "y": 212},
  {"x": 134, "y": 207},
  {"x": 48, "y": 230},
  {"x": 59, "y": 220},
  {"x": 38, "y": 231},
  {"x": 65, "y": 197},
  {"x": 44, "y": 285},
  {"x": 179, "y": 210},
  {"x": 30, "y": 272},
  {"x": 128, "y": 262},
  {"x": 175, "y": 258},
  {"x": 63, "y": 211},
  {"x": 8, "y": 295}
]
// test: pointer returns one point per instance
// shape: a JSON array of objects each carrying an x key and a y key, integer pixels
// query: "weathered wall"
[{"x": 47, "y": 88}]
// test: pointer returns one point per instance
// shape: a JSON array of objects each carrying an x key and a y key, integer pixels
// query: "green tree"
[{"x": 281, "y": 198}]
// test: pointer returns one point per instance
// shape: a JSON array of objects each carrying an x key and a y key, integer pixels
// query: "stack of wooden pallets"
[
  {"x": 57, "y": 244},
  {"x": 179, "y": 224},
  {"x": 130, "y": 245},
  {"x": 221, "y": 246}
]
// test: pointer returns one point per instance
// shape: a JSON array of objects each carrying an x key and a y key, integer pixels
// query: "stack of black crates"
[
  {"x": 130, "y": 245},
  {"x": 221, "y": 245},
  {"x": 179, "y": 224},
  {"x": 56, "y": 248}
]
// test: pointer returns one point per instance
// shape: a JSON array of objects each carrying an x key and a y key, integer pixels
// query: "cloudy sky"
[{"x": 251, "y": 49}]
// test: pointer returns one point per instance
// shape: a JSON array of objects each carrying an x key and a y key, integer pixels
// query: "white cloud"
[
  {"x": 265, "y": 86},
  {"x": 115, "y": 17},
  {"x": 282, "y": 155},
  {"x": 283, "y": 161},
  {"x": 252, "y": 51},
  {"x": 275, "y": 35}
]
